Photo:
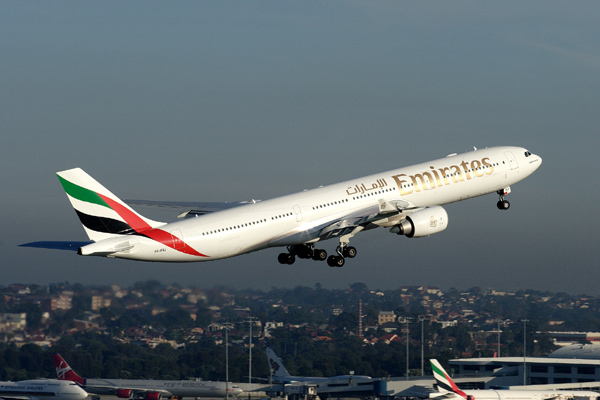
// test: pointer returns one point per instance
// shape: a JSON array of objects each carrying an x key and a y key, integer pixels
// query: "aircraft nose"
[{"x": 536, "y": 161}]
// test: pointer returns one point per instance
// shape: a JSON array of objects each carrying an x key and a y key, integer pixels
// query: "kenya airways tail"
[
  {"x": 445, "y": 384},
  {"x": 64, "y": 371}
]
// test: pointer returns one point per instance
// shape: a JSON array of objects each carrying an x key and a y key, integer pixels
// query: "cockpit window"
[{"x": 527, "y": 153}]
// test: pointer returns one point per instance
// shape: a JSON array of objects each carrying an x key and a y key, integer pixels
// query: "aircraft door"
[
  {"x": 512, "y": 161},
  {"x": 298, "y": 213}
]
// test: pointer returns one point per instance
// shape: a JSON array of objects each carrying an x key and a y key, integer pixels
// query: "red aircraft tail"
[{"x": 64, "y": 372}]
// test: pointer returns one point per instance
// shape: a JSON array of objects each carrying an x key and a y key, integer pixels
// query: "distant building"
[
  {"x": 567, "y": 338},
  {"x": 62, "y": 302},
  {"x": 12, "y": 322},
  {"x": 385, "y": 317},
  {"x": 99, "y": 302},
  {"x": 508, "y": 371}
]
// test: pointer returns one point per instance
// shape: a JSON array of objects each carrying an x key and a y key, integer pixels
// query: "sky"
[{"x": 240, "y": 100}]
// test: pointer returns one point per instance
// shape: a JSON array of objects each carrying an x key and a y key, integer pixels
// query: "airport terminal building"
[{"x": 575, "y": 364}]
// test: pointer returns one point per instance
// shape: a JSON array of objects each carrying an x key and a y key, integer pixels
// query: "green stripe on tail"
[{"x": 81, "y": 193}]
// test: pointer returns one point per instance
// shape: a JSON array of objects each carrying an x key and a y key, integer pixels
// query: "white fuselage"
[
  {"x": 296, "y": 218},
  {"x": 42, "y": 388},
  {"x": 530, "y": 395},
  {"x": 173, "y": 388}
]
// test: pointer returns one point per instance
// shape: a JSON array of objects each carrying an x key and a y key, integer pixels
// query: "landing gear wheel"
[
  {"x": 286, "y": 258},
  {"x": 336, "y": 261},
  {"x": 349, "y": 252},
  {"x": 503, "y": 205},
  {"x": 319, "y": 255}
]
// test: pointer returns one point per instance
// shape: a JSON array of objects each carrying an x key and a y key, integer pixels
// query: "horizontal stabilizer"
[{"x": 73, "y": 246}]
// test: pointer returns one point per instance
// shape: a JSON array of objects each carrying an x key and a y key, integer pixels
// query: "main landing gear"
[
  {"x": 343, "y": 253},
  {"x": 308, "y": 251},
  {"x": 301, "y": 251},
  {"x": 503, "y": 204}
]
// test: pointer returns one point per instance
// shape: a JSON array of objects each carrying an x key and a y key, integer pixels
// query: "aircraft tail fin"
[
  {"x": 443, "y": 380},
  {"x": 64, "y": 371},
  {"x": 276, "y": 365},
  {"x": 102, "y": 214}
]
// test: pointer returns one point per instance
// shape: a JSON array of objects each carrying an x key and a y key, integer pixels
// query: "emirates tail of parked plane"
[
  {"x": 447, "y": 390},
  {"x": 407, "y": 201},
  {"x": 444, "y": 383}
]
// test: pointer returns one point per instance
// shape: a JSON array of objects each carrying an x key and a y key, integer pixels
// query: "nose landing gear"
[{"x": 503, "y": 204}]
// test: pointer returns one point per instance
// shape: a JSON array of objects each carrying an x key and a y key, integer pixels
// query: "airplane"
[
  {"x": 36, "y": 389},
  {"x": 145, "y": 389},
  {"x": 447, "y": 389},
  {"x": 281, "y": 375},
  {"x": 407, "y": 201}
]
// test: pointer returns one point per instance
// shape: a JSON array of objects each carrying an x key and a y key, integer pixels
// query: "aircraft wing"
[
  {"x": 420, "y": 392},
  {"x": 189, "y": 208},
  {"x": 347, "y": 224},
  {"x": 362, "y": 218},
  {"x": 444, "y": 395},
  {"x": 16, "y": 397}
]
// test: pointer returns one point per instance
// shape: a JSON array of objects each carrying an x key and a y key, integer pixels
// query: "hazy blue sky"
[{"x": 224, "y": 101}]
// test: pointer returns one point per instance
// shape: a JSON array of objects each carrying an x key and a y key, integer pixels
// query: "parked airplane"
[
  {"x": 407, "y": 201},
  {"x": 280, "y": 375},
  {"x": 37, "y": 389},
  {"x": 447, "y": 389},
  {"x": 145, "y": 389}
]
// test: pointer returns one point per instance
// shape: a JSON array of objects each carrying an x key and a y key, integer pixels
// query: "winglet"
[
  {"x": 64, "y": 371},
  {"x": 443, "y": 380}
]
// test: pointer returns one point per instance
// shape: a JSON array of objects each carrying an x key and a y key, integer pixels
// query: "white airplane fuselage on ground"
[
  {"x": 405, "y": 200},
  {"x": 40, "y": 389},
  {"x": 167, "y": 389},
  {"x": 147, "y": 389}
]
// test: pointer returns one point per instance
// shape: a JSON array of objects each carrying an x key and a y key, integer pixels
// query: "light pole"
[
  {"x": 407, "y": 340},
  {"x": 227, "y": 362},
  {"x": 498, "y": 352},
  {"x": 525, "y": 351},
  {"x": 422, "y": 319},
  {"x": 251, "y": 321}
]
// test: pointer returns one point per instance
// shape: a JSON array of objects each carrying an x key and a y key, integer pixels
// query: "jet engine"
[
  {"x": 125, "y": 393},
  {"x": 422, "y": 223},
  {"x": 153, "y": 396}
]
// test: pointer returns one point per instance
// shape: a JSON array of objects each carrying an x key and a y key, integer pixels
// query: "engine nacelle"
[
  {"x": 423, "y": 223},
  {"x": 125, "y": 393},
  {"x": 153, "y": 396}
]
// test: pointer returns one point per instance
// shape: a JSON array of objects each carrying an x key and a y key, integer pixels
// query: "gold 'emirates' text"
[{"x": 435, "y": 178}]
